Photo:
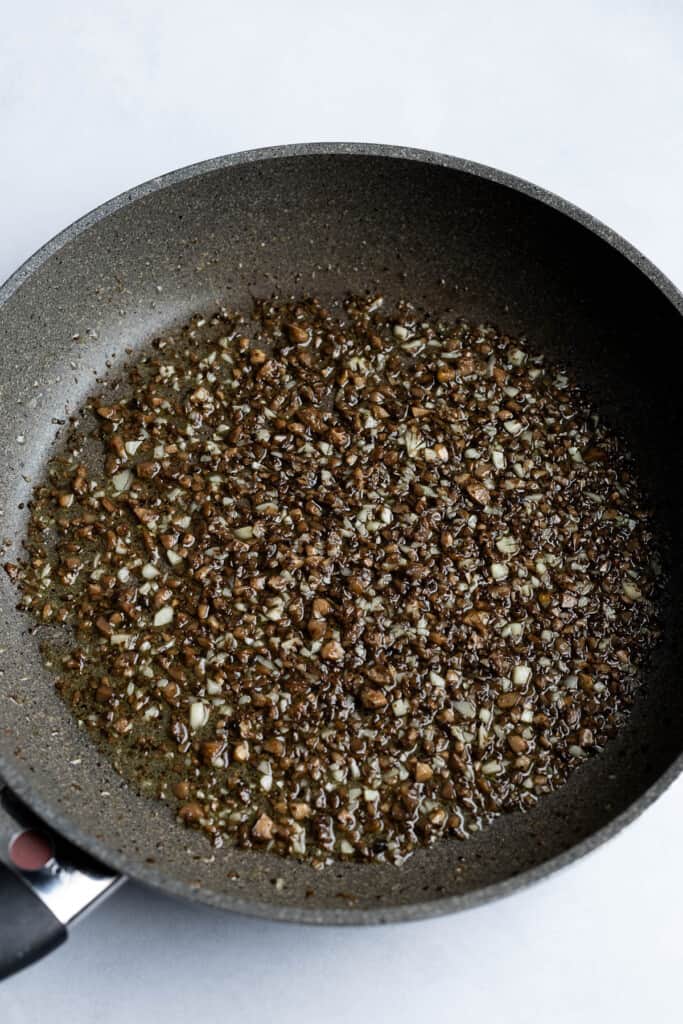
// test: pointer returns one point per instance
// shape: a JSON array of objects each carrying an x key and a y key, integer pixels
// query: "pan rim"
[{"x": 20, "y": 782}]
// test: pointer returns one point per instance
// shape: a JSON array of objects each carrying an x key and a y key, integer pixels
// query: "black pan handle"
[
  {"x": 45, "y": 883},
  {"x": 28, "y": 930}
]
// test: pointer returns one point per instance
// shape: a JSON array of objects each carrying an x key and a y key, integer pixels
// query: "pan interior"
[{"x": 325, "y": 223}]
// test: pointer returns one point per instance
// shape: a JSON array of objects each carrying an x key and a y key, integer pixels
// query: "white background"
[{"x": 583, "y": 98}]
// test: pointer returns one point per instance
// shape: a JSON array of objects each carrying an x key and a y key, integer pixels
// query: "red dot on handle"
[{"x": 30, "y": 851}]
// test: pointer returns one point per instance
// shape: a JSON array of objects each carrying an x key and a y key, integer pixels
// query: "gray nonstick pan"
[{"x": 321, "y": 219}]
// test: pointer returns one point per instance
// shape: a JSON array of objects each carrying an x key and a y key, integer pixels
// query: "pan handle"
[
  {"x": 45, "y": 883},
  {"x": 28, "y": 930}
]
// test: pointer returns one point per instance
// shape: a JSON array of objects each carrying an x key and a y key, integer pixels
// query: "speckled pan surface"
[{"x": 327, "y": 218}]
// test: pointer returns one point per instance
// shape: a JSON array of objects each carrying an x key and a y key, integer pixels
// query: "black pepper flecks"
[{"x": 339, "y": 585}]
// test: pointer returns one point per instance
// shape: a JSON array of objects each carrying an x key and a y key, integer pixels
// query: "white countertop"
[{"x": 587, "y": 102}]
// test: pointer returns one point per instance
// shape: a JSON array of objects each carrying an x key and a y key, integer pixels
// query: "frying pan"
[{"x": 449, "y": 235}]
